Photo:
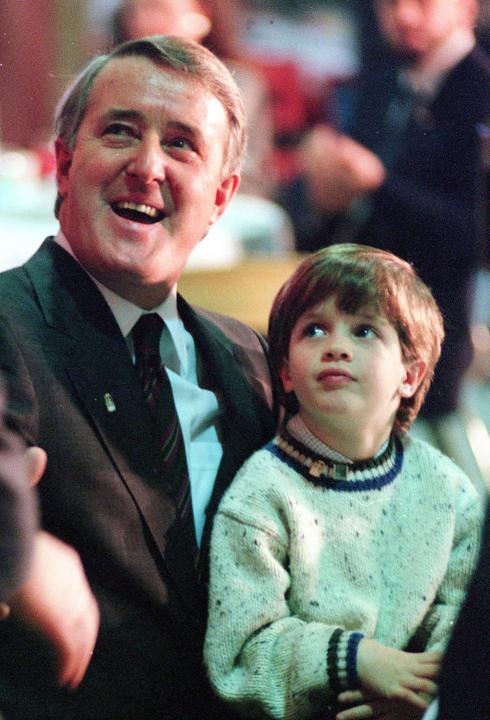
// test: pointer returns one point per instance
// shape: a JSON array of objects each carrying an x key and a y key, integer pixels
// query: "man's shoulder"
[
  {"x": 23, "y": 287},
  {"x": 221, "y": 337},
  {"x": 239, "y": 337},
  {"x": 15, "y": 289},
  {"x": 468, "y": 85},
  {"x": 41, "y": 260}
]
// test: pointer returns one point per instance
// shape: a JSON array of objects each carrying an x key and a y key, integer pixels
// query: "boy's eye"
[
  {"x": 314, "y": 330},
  {"x": 366, "y": 331}
]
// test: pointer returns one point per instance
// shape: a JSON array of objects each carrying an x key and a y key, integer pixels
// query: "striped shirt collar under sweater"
[{"x": 323, "y": 466}]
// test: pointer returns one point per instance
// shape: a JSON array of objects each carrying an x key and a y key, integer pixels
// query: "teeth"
[{"x": 146, "y": 209}]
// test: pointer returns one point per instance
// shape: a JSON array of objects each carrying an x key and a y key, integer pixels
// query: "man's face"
[
  {"x": 144, "y": 181},
  {"x": 415, "y": 28}
]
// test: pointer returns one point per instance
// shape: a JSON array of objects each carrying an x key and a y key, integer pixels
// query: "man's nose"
[
  {"x": 148, "y": 163},
  {"x": 407, "y": 12}
]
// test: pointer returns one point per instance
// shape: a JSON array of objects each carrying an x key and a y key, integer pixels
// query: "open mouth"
[{"x": 137, "y": 212}]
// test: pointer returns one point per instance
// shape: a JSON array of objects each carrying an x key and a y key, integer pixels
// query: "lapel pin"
[{"x": 109, "y": 403}]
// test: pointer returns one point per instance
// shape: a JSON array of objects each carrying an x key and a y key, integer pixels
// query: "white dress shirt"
[{"x": 197, "y": 408}]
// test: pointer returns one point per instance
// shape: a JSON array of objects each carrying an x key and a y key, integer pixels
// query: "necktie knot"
[{"x": 146, "y": 338}]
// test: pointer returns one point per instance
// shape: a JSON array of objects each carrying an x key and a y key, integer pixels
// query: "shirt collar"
[
  {"x": 426, "y": 79},
  {"x": 301, "y": 432},
  {"x": 127, "y": 313}
]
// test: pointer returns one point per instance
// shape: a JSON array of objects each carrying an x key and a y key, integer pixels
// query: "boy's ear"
[
  {"x": 414, "y": 374},
  {"x": 285, "y": 377}
]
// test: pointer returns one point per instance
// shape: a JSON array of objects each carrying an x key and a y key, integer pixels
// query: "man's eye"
[
  {"x": 180, "y": 143},
  {"x": 366, "y": 331},
  {"x": 118, "y": 129},
  {"x": 314, "y": 330}
]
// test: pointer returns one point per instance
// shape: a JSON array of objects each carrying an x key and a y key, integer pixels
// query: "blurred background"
[
  {"x": 287, "y": 57},
  {"x": 298, "y": 63}
]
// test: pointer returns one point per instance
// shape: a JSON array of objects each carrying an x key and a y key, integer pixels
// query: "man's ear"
[
  {"x": 224, "y": 194},
  {"x": 63, "y": 164},
  {"x": 287, "y": 383},
  {"x": 414, "y": 374}
]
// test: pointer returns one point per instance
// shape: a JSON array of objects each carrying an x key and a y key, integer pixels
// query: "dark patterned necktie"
[{"x": 158, "y": 394}]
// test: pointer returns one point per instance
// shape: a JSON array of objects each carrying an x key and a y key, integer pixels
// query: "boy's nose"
[
  {"x": 337, "y": 349},
  {"x": 148, "y": 163}
]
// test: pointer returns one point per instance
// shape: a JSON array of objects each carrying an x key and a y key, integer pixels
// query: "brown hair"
[
  {"x": 358, "y": 276},
  {"x": 185, "y": 56}
]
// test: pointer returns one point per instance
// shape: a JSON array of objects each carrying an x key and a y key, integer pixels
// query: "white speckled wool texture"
[{"x": 293, "y": 561}]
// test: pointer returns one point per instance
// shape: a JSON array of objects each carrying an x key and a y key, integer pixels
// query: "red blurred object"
[{"x": 47, "y": 161}]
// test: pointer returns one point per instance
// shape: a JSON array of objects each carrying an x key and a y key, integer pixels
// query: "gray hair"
[{"x": 185, "y": 56}]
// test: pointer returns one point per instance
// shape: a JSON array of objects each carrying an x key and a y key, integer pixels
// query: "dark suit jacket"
[
  {"x": 465, "y": 677},
  {"x": 103, "y": 492}
]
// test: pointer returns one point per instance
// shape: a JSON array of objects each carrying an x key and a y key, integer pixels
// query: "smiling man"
[{"x": 146, "y": 420}]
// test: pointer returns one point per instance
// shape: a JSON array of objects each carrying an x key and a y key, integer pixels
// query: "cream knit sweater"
[{"x": 301, "y": 566}]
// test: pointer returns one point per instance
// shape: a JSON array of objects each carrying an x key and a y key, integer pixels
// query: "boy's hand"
[{"x": 391, "y": 675}]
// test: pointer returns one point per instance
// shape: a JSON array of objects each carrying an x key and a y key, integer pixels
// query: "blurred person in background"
[
  {"x": 138, "y": 18},
  {"x": 408, "y": 178}
]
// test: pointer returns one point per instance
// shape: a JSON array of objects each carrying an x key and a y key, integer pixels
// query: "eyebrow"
[
  {"x": 137, "y": 116},
  {"x": 374, "y": 318},
  {"x": 315, "y": 314},
  {"x": 120, "y": 114}
]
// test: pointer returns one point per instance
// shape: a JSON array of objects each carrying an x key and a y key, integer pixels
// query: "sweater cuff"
[{"x": 342, "y": 660}]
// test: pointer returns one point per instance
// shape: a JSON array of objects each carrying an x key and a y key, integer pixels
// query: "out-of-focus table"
[
  {"x": 26, "y": 217},
  {"x": 244, "y": 290}
]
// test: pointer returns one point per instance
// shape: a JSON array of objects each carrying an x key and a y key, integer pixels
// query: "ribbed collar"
[{"x": 322, "y": 470}]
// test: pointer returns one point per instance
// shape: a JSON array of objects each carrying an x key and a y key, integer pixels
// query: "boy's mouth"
[{"x": 332, "y": 373}]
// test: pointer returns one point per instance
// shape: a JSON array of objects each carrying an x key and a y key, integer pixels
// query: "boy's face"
[{"x": 348, "y": 373}]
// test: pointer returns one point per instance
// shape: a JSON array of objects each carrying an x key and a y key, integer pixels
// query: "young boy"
[{"x": 341, "y": 552}]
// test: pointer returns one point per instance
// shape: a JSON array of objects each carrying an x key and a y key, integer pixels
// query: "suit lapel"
[{"x": 98, "y": 364}]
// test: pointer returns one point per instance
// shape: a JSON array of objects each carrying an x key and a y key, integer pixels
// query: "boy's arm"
[
  {"x": 260, "y": 658},
  {"x": 438, "y": 623}
]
